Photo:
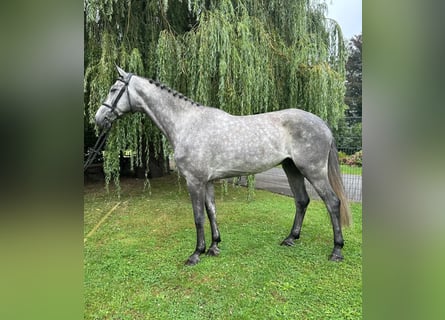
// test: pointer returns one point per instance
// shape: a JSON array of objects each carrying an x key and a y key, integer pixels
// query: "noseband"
[{"x": 126, "y": 81}]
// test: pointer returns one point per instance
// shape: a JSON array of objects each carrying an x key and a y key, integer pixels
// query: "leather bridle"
[{"x": 124, "y": 88}]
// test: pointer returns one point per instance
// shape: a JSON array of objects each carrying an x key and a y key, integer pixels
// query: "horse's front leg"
[
  {"x": 211, "y": 213},
  {"x": 197, "y": 194}
]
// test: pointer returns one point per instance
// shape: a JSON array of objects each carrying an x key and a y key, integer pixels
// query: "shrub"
[
  {"x": 342, "y": 156},
  {"x": 351, "y": 160}
]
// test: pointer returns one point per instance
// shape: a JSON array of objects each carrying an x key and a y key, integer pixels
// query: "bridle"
[
  {"x": 124, "y": 88},
  {"x": 97, "y": 149}
]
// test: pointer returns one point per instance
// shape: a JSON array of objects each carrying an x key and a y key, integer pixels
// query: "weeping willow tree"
[{"x": 242, "y": 56}]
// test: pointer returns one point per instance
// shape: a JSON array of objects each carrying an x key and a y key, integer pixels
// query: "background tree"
[
  {"x": 349, "y": 131},
  {"x": 353, "y": 97},
  {"x": 242, "y": 56}
]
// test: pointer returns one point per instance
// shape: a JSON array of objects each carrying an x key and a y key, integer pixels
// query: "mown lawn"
[
  {"x": 355, "y": 170},
  {"x": 134, "y": 262}
]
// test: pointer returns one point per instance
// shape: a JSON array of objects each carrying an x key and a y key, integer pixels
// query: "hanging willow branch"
[{"x": 242, "y": 56}]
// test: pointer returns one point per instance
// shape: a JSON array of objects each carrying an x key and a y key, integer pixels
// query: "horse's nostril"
[{"x": 106, "y": 123}]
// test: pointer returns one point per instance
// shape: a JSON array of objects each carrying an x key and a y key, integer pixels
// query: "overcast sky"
[{"x": 348, "y": 14}]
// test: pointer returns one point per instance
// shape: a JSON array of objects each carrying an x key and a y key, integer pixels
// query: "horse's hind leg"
[
  {"x": 323, "y": 187},
  {"x": 211, "y": 213},
  {"x": 296, "y": 182}
]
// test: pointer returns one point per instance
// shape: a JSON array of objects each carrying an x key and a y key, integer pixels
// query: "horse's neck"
[{"x": 169, "y": 112}]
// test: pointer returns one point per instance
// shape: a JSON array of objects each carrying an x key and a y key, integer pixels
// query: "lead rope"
[{"x": 93, "y": 152}]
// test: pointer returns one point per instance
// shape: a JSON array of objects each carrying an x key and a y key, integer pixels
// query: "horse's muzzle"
[
  {"x": 106, "y": 123},
  {"x": 102, "y": 120}
]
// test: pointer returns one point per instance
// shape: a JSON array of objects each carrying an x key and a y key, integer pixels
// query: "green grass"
[
  {"x": 345, "y": 169},
  {"x": 134, "y": 262}
]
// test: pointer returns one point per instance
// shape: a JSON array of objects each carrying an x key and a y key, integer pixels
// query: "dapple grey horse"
[{"x": 210, "y": 144}]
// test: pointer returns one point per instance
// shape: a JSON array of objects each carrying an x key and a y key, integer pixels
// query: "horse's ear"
[{"x": 122, "y": 73}]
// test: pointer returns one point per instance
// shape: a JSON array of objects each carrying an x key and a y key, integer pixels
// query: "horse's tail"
[{"x": 337, "y": 184}]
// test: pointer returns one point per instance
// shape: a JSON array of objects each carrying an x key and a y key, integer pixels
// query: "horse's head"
[{"x": 116, "y": 103}]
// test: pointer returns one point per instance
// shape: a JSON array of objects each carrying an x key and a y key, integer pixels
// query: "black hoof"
[
  {"x": 288, "y": 242},
  {"x": 335, "y": 257},
  {"x": 213, "y": 251},
  {"x": 193, "y": 260}
]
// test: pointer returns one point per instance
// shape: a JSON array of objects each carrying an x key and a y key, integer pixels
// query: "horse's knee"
[
  {"x": 199, "y": 220},
  {"x": 303, "y": 203}
]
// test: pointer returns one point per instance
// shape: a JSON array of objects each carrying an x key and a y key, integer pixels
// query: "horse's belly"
[{"x": 232, "y": 165}]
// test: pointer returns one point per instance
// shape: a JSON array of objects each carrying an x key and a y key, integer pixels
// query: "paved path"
[{"x": 275, "y": 180}]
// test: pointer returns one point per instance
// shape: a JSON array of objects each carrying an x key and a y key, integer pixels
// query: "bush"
[
  {"x": 351, "y": 160},
  {"x": 342, "y": 156}
]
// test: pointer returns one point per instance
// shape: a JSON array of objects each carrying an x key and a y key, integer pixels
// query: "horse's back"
[
  {"x": 300, "y": 126},
  {"x": 300, "y": 135}
]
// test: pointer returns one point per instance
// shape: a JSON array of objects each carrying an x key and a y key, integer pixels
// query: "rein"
[{"x": 96, "y": 150}]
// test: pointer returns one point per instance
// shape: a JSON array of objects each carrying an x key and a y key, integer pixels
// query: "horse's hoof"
[
  {"x": 288, "y": 242},
  {"x": 336, "y": 257},
  {"x": 193, "y": 260},
  {"x": 213, "y": 251}
]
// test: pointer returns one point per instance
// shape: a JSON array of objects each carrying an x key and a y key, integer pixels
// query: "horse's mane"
[{"x": 174, "y": 93}]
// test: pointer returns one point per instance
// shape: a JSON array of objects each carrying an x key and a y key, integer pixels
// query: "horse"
[{"x": 210, "y": 144}]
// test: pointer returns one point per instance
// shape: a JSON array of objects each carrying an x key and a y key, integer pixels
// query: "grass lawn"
[
  {"x": 134, "y": 262},
  {"x": 345, "y": 169}
]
